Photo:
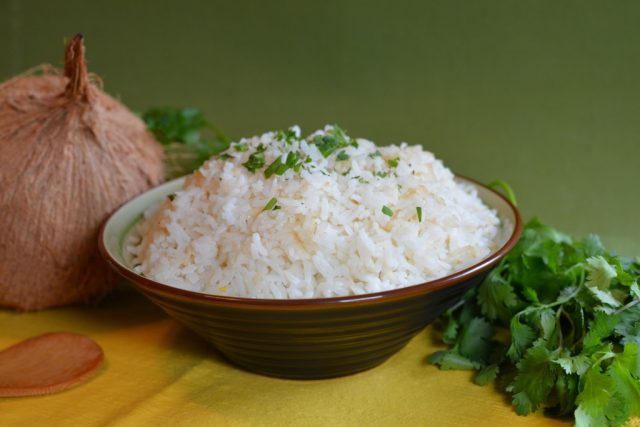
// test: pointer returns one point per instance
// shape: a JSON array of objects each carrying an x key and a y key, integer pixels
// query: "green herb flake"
[
  {"x": 332, "y": 140},
  {"x": 287, "y": 136},
  {"x": 256, "y": 160},
  {"x": 380, "y": 174},
  {"x": 419, "y": 213},
  {"x": 171, "y": 196},
  {"x": 272, "y": 168},
  {"x": 271, "y": 204},
  {"x": 375, "y": 154},
  {"x": 388, "y": 212},
  {"x": 393, "y": 163},
  {"x": 225, "y": 156},
  {"x": 241, "y": 147},
  {"x": 291, "y": 162},
  {"x": 342, "y": 156}
]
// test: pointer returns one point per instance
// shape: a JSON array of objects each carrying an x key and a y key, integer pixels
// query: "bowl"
[{"x": 304, "y": 338}]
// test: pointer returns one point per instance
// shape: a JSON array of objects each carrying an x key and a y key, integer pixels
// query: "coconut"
[{"x": 69, "y": 155}]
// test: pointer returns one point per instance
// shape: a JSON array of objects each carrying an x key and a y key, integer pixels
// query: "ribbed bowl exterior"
[
  {"x": 306, "y": 338},
  {"x": 304, "y": 342}
]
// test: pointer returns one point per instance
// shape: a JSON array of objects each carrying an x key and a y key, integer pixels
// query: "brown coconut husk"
[{"x": 69, "y": 156}]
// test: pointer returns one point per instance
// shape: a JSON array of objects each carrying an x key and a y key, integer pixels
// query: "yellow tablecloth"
[{"x": 157, "y": 372}]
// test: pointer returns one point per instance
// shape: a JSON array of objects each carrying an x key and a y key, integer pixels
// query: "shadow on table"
[{"x": 126, "y": 308}]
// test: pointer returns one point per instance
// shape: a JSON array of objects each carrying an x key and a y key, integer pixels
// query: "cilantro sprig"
[
  {"x": 187, "y": 137},
  {"x": 572, "y": 312}
]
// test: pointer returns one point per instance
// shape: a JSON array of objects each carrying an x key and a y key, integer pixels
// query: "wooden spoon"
[{"x": 47, "y": 364}]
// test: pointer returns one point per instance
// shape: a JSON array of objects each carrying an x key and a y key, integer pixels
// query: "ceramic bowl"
[{"x": 304, "y": 338}]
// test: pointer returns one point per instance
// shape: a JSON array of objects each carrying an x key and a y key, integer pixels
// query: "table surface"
[{"x": 156, "y": 372}]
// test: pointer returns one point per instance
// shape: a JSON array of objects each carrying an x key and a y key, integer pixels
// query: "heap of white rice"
[{"x": 344, "y": 224}]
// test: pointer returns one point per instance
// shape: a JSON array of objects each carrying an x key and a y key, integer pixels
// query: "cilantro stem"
[
  {"x": 502, "y": 185},
  {"x": 539, "y": 307},
  {"x": 605, "y": 355},
  {"x": 627, "y": 306},
  {"x": 270, "y": 205}
]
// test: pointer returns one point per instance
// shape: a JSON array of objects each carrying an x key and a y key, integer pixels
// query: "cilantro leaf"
[
  {"x": 187, "y": 137},
  {"x": 332, "y": 140},
  {"x": 256, "y": 160},
  {"x": 450, "y": 330},
  {"x": 600, "y": 273},
  {"x": 342, "y": 156},
  {"x": 600, "y": 328},
  {"x": 522, "y": 335},
  {"x": 486, "y": 374},
  {"x": 393, "y": 163},
  {"x": 452, "y": 360},
  {"x": 475, "y": 340},
  {"x": 574, "y": 364},
  {"x": 534, "y": 381},
  {"x": 496, "y": 296},
  {"x": 598, "y": 404}
]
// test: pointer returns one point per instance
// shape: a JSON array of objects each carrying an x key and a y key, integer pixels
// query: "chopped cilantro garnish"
[
  {"x": 287, "y": 136},
  {"x": 388, "y": 212},
  {"x": 270, "y": 204},
  {"x": 375, "y": 154},
  {"x": 347, "y": 172},
  {"x": 419, "y": 213},
  {"x": 380, "y": 174},
  {"x": 171, "y": 196},
  {"x": 342, "y": 156},
  {"x": 256, "y": 160},
  {"x": 332, "y": 140},
  {"x": 290, "y": 162},
  {"x": 272, "y": 167},
  {"x": 241, "y": 147},
  {"x": 393, "y": 163},
  {"x": 225, "y": 156},
  {"x": 280, "y": 168},
  {"x": 326, "y": 144}
]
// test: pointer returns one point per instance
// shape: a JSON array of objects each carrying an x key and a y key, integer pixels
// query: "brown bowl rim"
[{"x": 394, "y": 294}]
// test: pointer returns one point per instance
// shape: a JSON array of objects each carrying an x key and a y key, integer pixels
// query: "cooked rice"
[{"x": 326, "y": 235}]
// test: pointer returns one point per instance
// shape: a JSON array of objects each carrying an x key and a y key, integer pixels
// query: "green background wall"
[{"x": 542, "y": 94}]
